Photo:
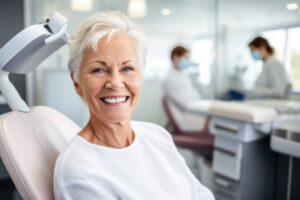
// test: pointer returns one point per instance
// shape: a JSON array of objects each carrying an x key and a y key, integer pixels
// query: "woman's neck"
[
  {"x": 265, "y": 58},
  {"x": 117, "y": 134}
]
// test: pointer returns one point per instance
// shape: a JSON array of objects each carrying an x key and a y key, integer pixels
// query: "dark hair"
[
  {"x": 178, "y": 51},
  {"x": 259, "y": 42}
]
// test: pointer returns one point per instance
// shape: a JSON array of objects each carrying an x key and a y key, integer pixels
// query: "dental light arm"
[{"x": 26, "y": 51}]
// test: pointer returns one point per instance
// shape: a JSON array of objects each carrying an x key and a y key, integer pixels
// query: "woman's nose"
[{"x": 116, "y": 81}]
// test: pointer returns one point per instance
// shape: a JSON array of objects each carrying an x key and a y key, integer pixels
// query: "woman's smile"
[{"x": 115, "y": 100}]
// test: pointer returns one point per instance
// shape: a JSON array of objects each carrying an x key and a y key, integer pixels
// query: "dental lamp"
[{"x": 26, "y": 50}]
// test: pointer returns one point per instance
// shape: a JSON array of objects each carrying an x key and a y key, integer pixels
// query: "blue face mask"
[
  {"x": 183, "y": 64},
  {"x": 256, "y": 55}
]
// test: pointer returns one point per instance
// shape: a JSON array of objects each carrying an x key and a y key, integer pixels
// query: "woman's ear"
[{"x": 75, "y": 83}]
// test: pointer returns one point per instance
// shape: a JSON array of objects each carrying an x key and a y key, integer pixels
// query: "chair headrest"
[{"x": 29, "y": 145}]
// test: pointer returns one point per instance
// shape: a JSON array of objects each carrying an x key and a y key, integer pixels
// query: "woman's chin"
[{"x": 115, "y": 117}]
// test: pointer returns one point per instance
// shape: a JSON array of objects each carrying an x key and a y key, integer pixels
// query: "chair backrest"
[
  {"x": 171, "y": 118},
  {"x": 29, "y": 145}
]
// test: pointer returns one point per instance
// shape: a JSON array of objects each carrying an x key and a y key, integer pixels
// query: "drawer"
[
  {"x": 233, "y": 147},
  {"x": 233, "y": 129},
  {"x": 227, "y": 164},
  {"x": 225, "y": 188}
]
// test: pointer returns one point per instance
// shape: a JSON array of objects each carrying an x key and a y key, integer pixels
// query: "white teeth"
[{"x": 115, "y": 100}]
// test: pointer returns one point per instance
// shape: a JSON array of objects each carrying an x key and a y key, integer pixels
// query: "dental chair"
[
  {"x": 29, "y": 145},
  {"x": 200, "y": 141},
  {"x": 32, "y": 138}
]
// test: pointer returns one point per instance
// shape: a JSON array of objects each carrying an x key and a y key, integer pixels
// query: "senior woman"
[{"x": 113, "y": 157}]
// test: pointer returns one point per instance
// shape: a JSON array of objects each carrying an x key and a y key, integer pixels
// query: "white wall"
[{"x": 150, "y": 107}]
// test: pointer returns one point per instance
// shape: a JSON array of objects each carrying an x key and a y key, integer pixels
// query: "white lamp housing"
[{"x": 26, "y": 50}]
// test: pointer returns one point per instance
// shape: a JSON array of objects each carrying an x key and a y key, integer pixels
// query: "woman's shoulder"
[
  {"x": 147, "y": 126},
  {"x": 151, "y": 130},
  {"x": 273, "y": 61},
  {"x": 68, "y": 164}
]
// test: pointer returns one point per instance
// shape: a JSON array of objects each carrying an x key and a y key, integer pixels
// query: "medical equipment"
[
  {"x": 31, "y": 138},
  {"x": 26, "y": 51},
  {"x": 243, "y": 162},
  {"x": 285, "y": 140}
]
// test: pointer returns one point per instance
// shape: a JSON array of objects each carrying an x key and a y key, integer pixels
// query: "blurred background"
[{"x": 217, "y": 32}]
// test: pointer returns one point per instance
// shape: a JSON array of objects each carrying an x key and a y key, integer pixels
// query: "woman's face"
[
  {"x": 258, "y": 53},
  {"x": 110, "y": 79},
  {"x": 177, "y": 59}
]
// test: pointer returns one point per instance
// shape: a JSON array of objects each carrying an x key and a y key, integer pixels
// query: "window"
[
  {"x": 293, "y": 56},
  {"x": 201, "y": 53},
  {"x": 277, "y": 39},
  {"x": 286, "y": 43}
]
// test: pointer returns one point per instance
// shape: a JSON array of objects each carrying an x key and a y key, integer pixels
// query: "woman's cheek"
[
  {"x": 139, "y": 83},
  {"x": 136, "y": 87},
  {"x": 93, "y": 85}
]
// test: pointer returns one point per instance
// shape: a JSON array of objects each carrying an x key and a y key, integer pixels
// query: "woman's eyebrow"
[
  {"x": 105, "y": 64},
  {"x": 98, "y": 61},
  {"x": 126, "y": 62}
]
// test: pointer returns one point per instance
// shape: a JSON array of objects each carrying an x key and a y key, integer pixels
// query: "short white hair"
[{"x": 95, "y": 28}]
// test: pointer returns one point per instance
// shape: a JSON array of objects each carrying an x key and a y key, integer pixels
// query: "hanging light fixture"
[
  {"x": 81, "y": 5},
  {"x": 292, "y": 6},
  {"x": 165, "y": 12},
  {"x": 137, "y": 8}
]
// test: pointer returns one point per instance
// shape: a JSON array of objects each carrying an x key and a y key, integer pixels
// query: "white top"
[
  {"x": 272, "y": 82},
  {"x": 179, "y": 87},
  {"x": 150, "y": 168}
]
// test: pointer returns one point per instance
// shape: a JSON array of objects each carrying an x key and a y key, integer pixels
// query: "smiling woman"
[
  {"x": 110, "y": 81},
  {"x": 113, "y": 157}
]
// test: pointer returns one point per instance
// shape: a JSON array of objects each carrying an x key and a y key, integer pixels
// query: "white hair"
[{"x": 95, "y": 28}]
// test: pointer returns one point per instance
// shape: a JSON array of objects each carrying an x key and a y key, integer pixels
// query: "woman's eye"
[
  {"x": 99, "y": 70},
  {"x": 127, "y": 69}
]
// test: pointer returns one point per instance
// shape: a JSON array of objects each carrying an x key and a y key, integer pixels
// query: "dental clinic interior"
[{"x": 239, "y": 133}]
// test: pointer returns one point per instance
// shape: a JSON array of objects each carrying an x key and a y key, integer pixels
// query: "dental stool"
[
  {"x": 200, "y": 141},
  {"x": 29, "y": 145}
]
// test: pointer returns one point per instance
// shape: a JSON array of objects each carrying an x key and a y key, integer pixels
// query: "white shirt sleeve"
[{"x": 83, "y": 190}]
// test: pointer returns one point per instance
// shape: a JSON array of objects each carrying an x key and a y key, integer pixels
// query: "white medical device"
[
  {"x": 26, "y": 51},
  {"x": 31, "y": 139}
]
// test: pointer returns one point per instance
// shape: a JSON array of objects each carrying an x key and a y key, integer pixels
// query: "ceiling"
[
  {"x": 257, "y": 14},
  {"x": 191, "y": 17}
]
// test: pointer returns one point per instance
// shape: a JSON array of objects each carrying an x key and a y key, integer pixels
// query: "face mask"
[
  {"x": 184, "y": 64},
  {"x": 256, "y": 55}
]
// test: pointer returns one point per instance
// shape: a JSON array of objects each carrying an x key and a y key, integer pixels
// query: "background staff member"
[{"x": 273, "y": 80}]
